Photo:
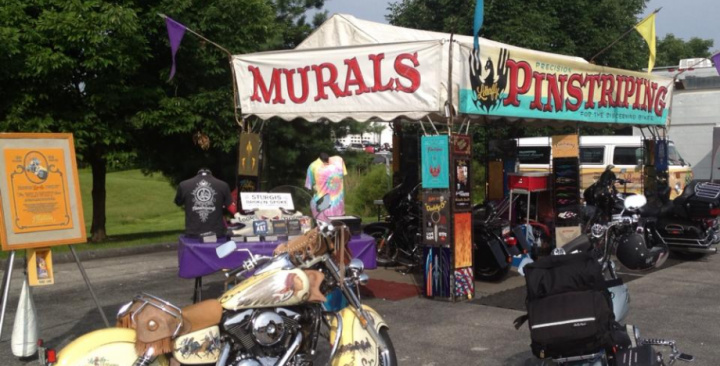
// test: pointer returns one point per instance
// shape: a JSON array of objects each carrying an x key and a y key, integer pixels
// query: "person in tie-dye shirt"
[{"x": 325, "y": 176}]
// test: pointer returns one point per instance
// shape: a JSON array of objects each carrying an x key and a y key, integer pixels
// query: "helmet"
[{"x": 632, "y": 252}]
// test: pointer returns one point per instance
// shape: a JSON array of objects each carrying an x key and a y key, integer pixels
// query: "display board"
[
  {"x": 566, "y": 182},
  {"x": 40, "y": 203}
]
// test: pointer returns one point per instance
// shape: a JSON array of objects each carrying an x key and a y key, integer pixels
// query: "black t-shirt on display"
[{"x": 204, "y": 198}]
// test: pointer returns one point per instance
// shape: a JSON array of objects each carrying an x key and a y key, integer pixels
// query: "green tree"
[
  {"x": 569, "y": 27},
  {"x": 198, "y": 101},
  {"x": 69, "y": 66},
  {"x": 670, "y": 50}
]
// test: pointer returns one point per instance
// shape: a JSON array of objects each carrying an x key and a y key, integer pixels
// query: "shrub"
[{"x": 362, "y": 188}]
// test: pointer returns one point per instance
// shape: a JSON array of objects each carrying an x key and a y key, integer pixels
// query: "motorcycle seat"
[
  {"x": 201, "y": 315},
  {"x": 654, "y": 210}
]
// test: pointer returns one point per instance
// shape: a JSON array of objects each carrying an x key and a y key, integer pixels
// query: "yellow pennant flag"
[{"x": 646, "y": 28}]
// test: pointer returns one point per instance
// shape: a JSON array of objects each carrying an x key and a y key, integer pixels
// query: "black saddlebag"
[
  {"x": 699, "y": 200},
  {"x": 569, "y": 308}
]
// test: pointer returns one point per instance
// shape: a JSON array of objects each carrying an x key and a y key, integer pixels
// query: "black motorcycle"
[
  {"x": 592, "y": 334},
  {"x": 494, "y": 243},
  {"x": 398, "y": 237},
  {"x": 688, "y": 224}
]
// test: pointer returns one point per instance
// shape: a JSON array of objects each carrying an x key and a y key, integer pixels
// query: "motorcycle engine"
[{"x": 261, "y": 336}]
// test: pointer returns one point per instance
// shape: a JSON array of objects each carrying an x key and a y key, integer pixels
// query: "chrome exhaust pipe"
[
  {"x": 701, "y": 250},
  {"x": 291, "y": 350}
]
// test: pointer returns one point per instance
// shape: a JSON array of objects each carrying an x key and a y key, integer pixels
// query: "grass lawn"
[{"x": 139, "y": 210}]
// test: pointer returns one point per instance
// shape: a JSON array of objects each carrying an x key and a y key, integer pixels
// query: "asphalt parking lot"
[{"x": 681, "y": 301}]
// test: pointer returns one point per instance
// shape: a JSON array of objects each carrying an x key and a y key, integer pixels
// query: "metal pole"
[
  {"x": 6, "y": 288},
  {"x": 89, "y": 286}
]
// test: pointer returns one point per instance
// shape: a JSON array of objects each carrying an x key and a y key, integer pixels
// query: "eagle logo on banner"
[{"x": 488, "y": 88}]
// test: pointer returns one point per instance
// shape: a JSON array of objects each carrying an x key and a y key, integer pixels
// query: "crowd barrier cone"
[{"x": 25, "y": 329}]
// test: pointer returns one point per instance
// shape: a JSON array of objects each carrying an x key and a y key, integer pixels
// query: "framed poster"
[
  {"x": 462, "y": 185},
  {"x": 435, "y": 161},
  {"x": 436, "y": 213},
  {"x": 40, "y": 203}
]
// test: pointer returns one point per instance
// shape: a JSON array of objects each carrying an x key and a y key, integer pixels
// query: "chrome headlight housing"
[{"x": 598, "y": 230}]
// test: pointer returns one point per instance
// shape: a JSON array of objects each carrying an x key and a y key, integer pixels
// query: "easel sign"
[{"x": 40, "y": 204}]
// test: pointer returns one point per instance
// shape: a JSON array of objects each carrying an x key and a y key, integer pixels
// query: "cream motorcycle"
[{"x": 273, "y": 317}]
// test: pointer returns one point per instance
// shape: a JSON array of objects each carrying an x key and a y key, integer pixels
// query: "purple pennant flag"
[
  {"x": 176, "y": 31},
  {"x": 716, "y": 60}
]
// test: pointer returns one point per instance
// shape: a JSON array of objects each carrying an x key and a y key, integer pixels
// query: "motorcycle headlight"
[
  {"x": 677, "y": 187},
  {"x": 598, "y": 230}
]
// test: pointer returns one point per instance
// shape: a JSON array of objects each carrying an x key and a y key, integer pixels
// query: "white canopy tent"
[{"x": 352, "y": 68}]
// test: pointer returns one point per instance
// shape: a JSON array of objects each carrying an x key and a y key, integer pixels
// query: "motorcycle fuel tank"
[
  {"x": 202, "y": 346},
  {"x": 269, "y": 289}
]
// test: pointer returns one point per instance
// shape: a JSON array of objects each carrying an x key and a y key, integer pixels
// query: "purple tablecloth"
[{"x": 196, "y": 259}]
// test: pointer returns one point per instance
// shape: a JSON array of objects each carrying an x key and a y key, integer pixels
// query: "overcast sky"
[{"x": 683, "y": 18}]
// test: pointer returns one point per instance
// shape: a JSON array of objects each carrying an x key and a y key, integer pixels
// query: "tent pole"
[{"x": 449, "y": 97}]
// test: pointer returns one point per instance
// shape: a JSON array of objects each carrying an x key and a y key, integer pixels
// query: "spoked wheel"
[
  {"x": 387, "y": 252},
  {"x": 393, "y": 357}
]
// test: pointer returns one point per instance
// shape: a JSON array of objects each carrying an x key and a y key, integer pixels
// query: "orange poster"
[
  {"x": 463, "y": 240},
  {"x": 37, "y": 188}
]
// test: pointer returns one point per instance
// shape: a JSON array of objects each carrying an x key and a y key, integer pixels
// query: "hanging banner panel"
[
  {"x": 565, "y": 146},
  {"x": 462, "y": 185},
  {"x": 362, "y": 82},
  {"x": 436, "y": 214},
  {"x": 249, "y": 154},
  {"x": 463, "y": 240},
  {"x": 523, "y": 84},
  {"x": 435, "y": 161}
]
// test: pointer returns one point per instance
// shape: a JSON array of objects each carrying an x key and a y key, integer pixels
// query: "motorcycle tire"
[
  {"x": 387, "y": 253},
  {"x": 393, "y": 357},
  {"x": 487, "y": 270}
]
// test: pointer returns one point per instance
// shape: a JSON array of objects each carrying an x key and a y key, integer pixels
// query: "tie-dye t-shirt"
[{"x": 327, "y": 179}]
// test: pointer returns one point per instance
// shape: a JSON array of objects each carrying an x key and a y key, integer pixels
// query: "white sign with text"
[{"x": 261, "y": 201}]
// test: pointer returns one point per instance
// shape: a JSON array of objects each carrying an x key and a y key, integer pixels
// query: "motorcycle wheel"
[
  {"x": 393, "y": 357},
  {"x": 386, "y": 252},
  {"x": 486, "y": 269}
]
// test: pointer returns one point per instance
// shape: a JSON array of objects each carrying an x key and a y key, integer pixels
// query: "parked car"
[
  {"x": 356, "y": 147},
  {"x": 369, "y": 149}
]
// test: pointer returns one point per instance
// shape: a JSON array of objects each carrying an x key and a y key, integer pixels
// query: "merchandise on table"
[{"x": 205, "y": 198}]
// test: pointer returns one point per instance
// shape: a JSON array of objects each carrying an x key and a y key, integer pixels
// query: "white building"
[
  {"x": 384, "y": 137},
  {"x": 695, "y": 112}
]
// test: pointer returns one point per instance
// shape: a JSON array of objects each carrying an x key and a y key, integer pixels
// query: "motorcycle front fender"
[
  {"x": 109, "y": 346},
  {"x": 355, "y": 344}
]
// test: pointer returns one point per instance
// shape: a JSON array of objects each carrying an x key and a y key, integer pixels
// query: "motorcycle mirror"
[
  {"x": 635, "y": 202},
  {"x": 225, "y": 249}
]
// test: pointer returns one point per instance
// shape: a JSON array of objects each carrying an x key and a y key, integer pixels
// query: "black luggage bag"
[{"x": 569, "y": 308}]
